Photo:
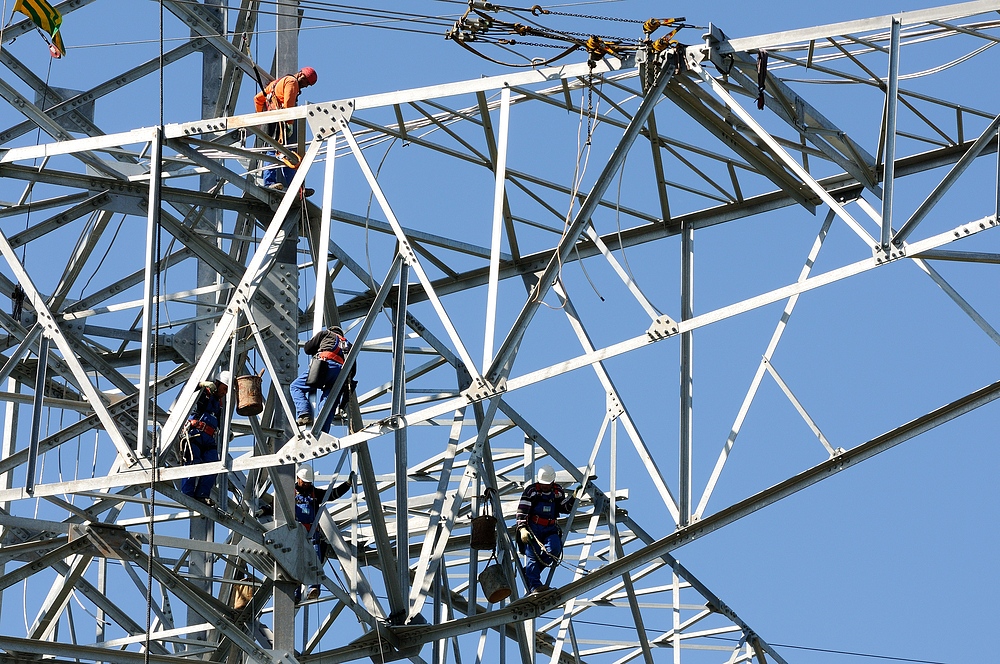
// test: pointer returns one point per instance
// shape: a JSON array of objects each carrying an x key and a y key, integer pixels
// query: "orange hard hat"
[{"x": 310, "y": 75}]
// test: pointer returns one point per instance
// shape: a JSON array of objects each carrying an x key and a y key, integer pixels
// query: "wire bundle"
[{"x": 477, "y": 25}]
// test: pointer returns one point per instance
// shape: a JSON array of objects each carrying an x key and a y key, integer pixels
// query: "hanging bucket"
[
  {"x": 494, "y": 584},
  {"x": 242, "y": 595},
  {"x": 484, "y": 526},
  {"x": 484, "y": 533},
  {"x": 249, "y": 398}
]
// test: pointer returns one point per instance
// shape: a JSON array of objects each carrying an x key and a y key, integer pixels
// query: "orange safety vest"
[{"x": 280, "y": 93}]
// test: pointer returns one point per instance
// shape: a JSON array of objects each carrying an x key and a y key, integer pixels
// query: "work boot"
[
  {"x": 308, "y": 191},
  {"x": 277, "y": 186},
  {"x": 304, "y": 420},
  {"x": 313, "y": 592}
]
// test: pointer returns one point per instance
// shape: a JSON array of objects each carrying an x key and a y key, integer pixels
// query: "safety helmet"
[
  {"x": 337, "y": 329},
  {"x": 546, "y": 475},
  {"x": 305, "y": 473},
  {"x": 224, "y": 377},
  {"x": 310, "y": 75}
]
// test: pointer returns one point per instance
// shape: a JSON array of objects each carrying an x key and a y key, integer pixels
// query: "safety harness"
[
  {"x": 334, "y": 356},
  {"x": 204, "y": 427}
]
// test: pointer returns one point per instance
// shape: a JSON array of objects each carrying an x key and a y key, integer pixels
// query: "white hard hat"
[
  {"x": 305, "y": 473},
  {"x": 224, "y": 377},
  {"x": 546, "y": 475}
]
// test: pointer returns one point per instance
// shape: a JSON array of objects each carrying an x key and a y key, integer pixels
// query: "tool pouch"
[{"x": 317, "y": 372}]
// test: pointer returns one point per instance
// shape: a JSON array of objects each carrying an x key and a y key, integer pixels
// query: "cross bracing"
[{"x": 509, "y": 307}]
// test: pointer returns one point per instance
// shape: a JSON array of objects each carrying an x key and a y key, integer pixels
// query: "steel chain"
[{"x": 597, "y": 18}]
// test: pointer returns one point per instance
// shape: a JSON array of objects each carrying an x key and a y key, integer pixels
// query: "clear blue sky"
[{"x": 892, "y": 558}]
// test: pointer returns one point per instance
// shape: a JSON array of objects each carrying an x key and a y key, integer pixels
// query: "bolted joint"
[
  {"x": 481, "y": 389},
  {"x": 327, "y": 119},
  {"x": 885, "y": 255},
  {"x": 662, "y": 328},
  {"x": 615, "y": 408},
  {"x": 974, "y": 227},
  {"x": 689, "y": 59}
]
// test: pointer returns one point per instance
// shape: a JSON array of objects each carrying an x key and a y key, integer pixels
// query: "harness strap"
[
  {"x": 208, "y": 429},
  {"x": 541, "y": 521},
  {"x": 330, "y": 355}
]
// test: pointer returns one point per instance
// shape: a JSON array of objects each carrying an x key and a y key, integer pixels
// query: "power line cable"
[
  {"x": 784, "y": 645},
  {"x": 347, "y": 10},
  {"x": 335, "y": 24},
  {"x": 858, "y": 654}
]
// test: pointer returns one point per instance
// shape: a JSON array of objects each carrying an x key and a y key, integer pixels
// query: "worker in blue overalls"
[
  {"x": 308, "y": 499},
  {"x": 331, "y": 347},
  {"x": 200, "y": 433},
  {"x": 538, "y": 534}
]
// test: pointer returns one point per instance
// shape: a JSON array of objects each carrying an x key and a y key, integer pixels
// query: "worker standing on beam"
[
  {"x": 329, "y": 349},
  {"x": 278, "y": 94},
  {"x": 538, "y": 534}
]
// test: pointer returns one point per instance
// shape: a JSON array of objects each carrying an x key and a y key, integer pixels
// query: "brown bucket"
[
  {"x": 484, "y": 533},
  {"x": 494, "y": 584},
  {"x": 484, "y": 526},
  {"x": 249, "y": 398}
]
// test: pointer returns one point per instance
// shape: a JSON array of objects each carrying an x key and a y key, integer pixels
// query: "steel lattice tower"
[{"x": 506, "y": 311}]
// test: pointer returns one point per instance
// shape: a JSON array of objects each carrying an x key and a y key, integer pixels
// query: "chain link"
[
  {"x": 604, "y": 37},
  {"x": 596, "y": 18},
  {"x": 514, "y": 42},
  {"x": 590, "y": 104}
]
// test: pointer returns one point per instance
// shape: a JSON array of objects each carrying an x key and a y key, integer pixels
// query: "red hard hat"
[{"x": 310, "y": 75}]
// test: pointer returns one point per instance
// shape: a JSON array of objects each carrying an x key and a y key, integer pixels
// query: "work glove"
[
  {"x": 208, "y": 385},
  {"x": 524, "y": 535},
  {"x": 349, "y": 484}
]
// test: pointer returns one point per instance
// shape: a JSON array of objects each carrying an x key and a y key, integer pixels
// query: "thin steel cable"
[
  {"x": 781, "y": 645},
  {"x": 155, "y": 446},
  {"x": 582, "y": 154},
  {"x": 350, "y": 10},
  {"x": 4, "y": 26},
  {"x": 621, "y": 241},
  {"x": 368, "y": 211},
  {"x": 31, "y": 186},
  {"x": 83, "y": 289}
]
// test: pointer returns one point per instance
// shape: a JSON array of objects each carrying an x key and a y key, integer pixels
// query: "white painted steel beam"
[{"x": 409, "y": 428}]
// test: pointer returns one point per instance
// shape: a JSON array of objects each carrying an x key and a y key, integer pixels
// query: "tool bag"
[{"x": 318, "y": 369}]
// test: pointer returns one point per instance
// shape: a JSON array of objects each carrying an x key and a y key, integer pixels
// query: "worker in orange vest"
[{"x": 282, "y": 93}]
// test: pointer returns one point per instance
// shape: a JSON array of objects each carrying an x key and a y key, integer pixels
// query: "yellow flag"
[{"x": 45, "y": 17}]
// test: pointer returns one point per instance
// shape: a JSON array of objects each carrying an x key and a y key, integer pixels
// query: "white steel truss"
[{"x": 457, "y": 300}]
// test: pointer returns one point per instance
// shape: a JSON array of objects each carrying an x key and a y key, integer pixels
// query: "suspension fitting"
[{"x": 654, "y": 24}]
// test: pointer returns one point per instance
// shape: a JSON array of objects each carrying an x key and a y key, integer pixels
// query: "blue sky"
[{"x": 888, "y": 558}]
